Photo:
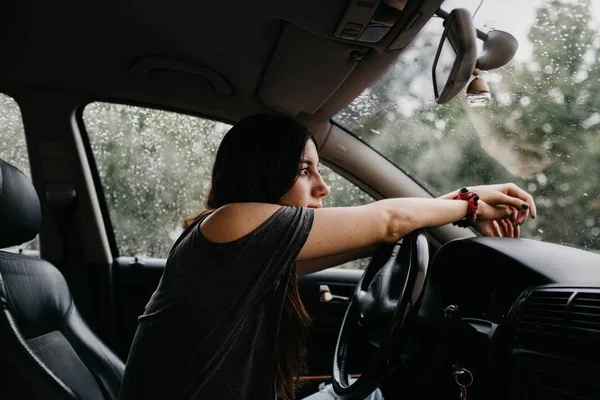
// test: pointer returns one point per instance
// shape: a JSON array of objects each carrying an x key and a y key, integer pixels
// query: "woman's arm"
[
  {"x": 344, "y": 229},
  {"x": 347, "y": 229}
]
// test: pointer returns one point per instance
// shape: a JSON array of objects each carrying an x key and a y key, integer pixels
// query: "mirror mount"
[
  {"x": 457, "y": 45},
  {"x": 499, "y": 48}
]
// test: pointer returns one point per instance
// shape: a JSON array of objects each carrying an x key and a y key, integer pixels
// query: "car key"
[{"x": 463, "y": 378}]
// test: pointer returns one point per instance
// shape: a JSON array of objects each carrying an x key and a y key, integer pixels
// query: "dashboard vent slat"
[
  {"x": 561, "y": 311},
  {"x": 583, "y": 308},
  {"x": 584, "y": 312},
  {"x": 544, "y": 309}
]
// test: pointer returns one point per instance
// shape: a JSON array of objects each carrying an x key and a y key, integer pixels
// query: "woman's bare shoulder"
[{"x": 236, "y": 220}]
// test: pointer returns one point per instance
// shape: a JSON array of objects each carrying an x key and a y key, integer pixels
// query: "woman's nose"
[{"x": 322, "y": 189}]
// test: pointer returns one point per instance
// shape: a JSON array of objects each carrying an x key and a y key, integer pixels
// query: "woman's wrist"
[{"x": 472, "y": 208}]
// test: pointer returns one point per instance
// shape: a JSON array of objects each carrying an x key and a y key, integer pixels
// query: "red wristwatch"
[{"x": 471, "y": 217}]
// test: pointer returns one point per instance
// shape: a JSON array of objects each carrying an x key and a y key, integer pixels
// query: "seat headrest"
[{"x": 20, "y": 213}]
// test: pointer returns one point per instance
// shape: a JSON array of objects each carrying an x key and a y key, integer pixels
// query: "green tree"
[
  {"x": 155, "y": 168},
  {"x": 12, "y": 136},
  {"x": 13, "y": 148},
  {"x": 542, "y": 130},
  {"x": 550, "y": 120}
]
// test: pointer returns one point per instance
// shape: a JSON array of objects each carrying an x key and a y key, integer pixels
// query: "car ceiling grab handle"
[{"x": 144, "y": 66}]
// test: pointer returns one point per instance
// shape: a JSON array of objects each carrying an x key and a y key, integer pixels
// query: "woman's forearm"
[
  {"x": 407, "y": 214},
  {"x": 340, "y": 230},
  {"x": 448, "y": 196},
  {"x": 403, "y": 216}
]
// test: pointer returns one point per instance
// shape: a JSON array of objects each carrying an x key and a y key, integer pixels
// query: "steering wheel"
[{"x": 377, "y": 314}]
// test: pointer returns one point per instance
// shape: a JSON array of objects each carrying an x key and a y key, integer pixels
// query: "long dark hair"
[{"x": 257, "y": 161}]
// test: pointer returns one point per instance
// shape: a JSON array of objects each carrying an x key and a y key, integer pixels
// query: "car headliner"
[{"x": 222, "y": 59}]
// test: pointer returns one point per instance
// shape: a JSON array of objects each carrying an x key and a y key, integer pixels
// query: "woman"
[{"x": 226, "y": 320}]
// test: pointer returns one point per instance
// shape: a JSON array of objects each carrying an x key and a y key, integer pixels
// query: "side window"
[
  {"x": 13, "y": 149},
  {"x": 155, "y": 167},
  {"x": 344, "y": 194}
]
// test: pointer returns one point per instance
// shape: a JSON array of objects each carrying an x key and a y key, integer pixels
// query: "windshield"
[{"x": 541, "y": 130}]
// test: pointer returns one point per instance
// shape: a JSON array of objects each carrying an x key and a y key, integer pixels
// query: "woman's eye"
[{"x": 304, "y": 171}]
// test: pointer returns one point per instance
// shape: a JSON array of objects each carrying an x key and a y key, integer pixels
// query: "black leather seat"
[{"x": 46, "y": 349}]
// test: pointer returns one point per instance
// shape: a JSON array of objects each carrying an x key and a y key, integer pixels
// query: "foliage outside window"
[
  {"x": 344, "y": 194},
  {"x": 542, "y": 130},
  {"x": 155, "y": 167},
  {"x": 13, "y": 149}
]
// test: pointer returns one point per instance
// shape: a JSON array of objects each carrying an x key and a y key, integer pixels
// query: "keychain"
[{"x": 464, "y": 379}]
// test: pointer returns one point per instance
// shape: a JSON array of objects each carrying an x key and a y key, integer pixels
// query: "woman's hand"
[
  {"x": 487, "y": 212},
  {"x": 503, "y": 208},
  {"x": 518, "y": 205},
  {"x": 510, "y": 196}
]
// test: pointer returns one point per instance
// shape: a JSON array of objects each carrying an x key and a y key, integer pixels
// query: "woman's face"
[{"x": 309, "y": 188}]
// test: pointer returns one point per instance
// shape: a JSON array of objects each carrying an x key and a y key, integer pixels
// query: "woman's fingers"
[
  {"x": 507, "y": 228},
  {"x": 523, "y": 214},
  {"x": 499, "y": 198},
  {"x": 502, "y": 199},
  {"x": 511, "y": 229},
  {"x": 505, "y": 207},
  {"x": 514, "y": 216},
  {"x": 502, "y": 224},
  {"x": 517, "y": 216},
  {"x": 511, "y": 196},
  {"x": 486, "y": 212},
  {"x": 488, "y": 228},
  {"x": 495, "y": 228},
  {"x": 516, "y": 192},
  {"x": 499, "y": 228},
  {"x": 515, "y": 202}
]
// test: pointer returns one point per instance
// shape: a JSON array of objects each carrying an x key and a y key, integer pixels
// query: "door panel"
[
  {"x": 341, "y": 283},
  {"x": 134, "y": 281},
  {"x": 327, "y": 316}
]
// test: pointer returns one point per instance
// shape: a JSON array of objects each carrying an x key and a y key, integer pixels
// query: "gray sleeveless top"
[{"x": 210, "y": 329}]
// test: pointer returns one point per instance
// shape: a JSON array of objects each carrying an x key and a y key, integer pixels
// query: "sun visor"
[{"x": 305, "y": 70}]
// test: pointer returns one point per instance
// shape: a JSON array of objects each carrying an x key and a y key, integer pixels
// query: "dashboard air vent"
[
  {"x": 544, "y": 309},
  {"x": 584, "y": 313},
  {"x": 560, "y": 311}
]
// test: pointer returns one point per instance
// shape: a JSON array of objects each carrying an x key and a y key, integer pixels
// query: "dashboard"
[
  {"x": 529, "y": 316},
  {"x": 486, "y": 276}
]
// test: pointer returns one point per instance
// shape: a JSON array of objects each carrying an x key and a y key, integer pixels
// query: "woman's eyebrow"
[{"x": 305, "y": 161}]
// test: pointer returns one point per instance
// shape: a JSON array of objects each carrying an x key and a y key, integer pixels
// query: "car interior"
[{"x": 491, "y": 318}]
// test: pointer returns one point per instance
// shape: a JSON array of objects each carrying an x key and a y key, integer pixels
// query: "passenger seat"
[{"x": 46, "y": 349}]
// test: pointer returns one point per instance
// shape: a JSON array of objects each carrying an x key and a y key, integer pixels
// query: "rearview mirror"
[{"x": 455, "y": 57}]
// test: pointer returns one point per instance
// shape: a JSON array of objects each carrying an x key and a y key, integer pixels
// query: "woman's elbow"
[{"x": 399, "y": 223}]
